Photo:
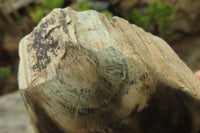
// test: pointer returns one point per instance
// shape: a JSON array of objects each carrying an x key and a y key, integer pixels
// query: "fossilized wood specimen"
[{"x": 83, "y": 73}]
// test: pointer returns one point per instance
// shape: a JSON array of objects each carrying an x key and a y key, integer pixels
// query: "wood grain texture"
[{"x": 81, "y": 72}]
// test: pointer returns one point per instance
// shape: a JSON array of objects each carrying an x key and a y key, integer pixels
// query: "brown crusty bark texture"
[{"x": 81, "y": 72}]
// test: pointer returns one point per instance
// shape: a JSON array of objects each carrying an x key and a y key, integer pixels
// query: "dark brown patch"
[
  {"x": 167, "y": 112},
  {"x": 65, "y": 54},
  {"x": 44, "y": 42},
  {"x": 132, "y": 82},
  {"x": 146, "y": 86},
  {"x": 45, "y": 123},
  {"x": 143, "y": 77},
  {"x": 134, "y": 111}
]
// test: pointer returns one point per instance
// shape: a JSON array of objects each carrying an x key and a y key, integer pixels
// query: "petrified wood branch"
[{"x": 81, "y": 72}]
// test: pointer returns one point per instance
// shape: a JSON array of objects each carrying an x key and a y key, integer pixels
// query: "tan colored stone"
[{"x": 81, "y": 72}]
